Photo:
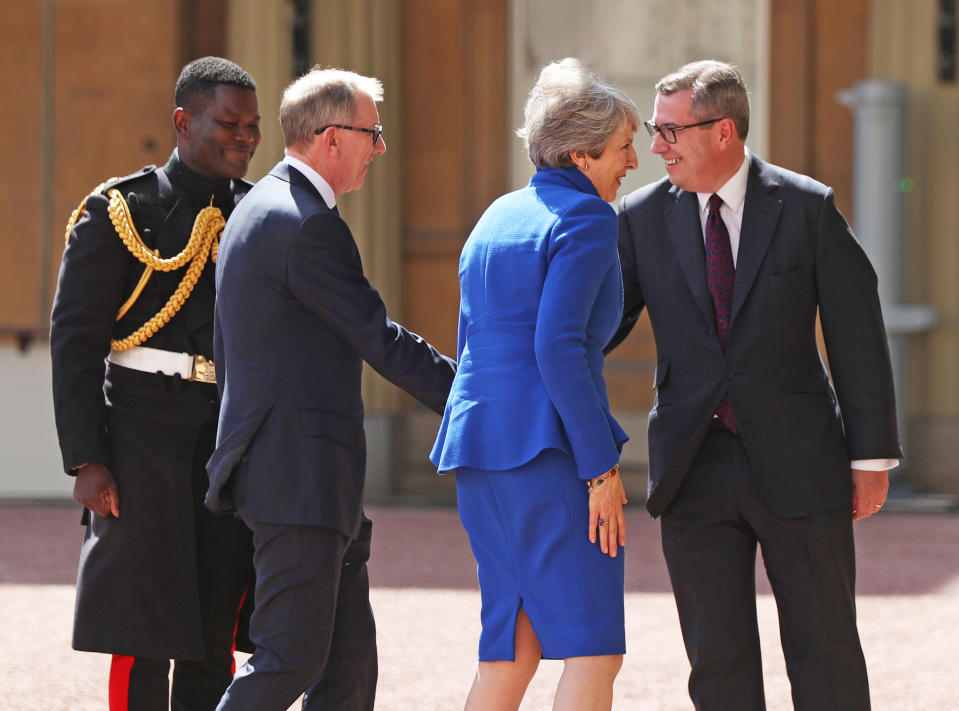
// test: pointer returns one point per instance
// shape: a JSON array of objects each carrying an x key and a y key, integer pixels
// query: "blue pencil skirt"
[{"x": 528, "y": 528}]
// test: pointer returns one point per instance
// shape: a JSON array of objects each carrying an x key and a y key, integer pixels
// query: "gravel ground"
[{"x": 427, "y": 609}]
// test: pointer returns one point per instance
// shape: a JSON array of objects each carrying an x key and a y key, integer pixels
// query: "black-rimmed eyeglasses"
[
  {"x": 377, "y": 130},
  {"x": 669, "y": 132}
]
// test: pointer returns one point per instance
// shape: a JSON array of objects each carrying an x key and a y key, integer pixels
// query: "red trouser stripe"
[
  {"x": 120, "y": 669},
  {"x": 236, "y": 627}
]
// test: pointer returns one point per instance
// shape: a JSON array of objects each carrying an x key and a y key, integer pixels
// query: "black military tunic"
[{"x": 165, "y": 579}]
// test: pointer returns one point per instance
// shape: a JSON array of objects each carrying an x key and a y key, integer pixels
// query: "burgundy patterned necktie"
[{"x": 720, "y": 276}]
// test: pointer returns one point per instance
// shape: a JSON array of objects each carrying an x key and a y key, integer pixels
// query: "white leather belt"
[{"x": 153, "y": 360}]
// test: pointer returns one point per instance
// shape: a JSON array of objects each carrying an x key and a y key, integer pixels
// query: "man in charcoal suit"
[{"x": 749, "y": 442}]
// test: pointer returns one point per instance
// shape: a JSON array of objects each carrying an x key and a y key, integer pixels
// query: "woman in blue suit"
[{"x": 527, "y": 425}]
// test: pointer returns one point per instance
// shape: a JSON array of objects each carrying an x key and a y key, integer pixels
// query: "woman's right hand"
[{"x": 606, "y": 520}]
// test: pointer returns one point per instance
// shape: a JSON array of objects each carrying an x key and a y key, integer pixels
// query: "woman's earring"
[{"x": 586, "y": 165}]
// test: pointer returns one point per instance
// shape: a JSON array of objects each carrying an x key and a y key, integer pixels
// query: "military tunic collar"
[{"x": 198, "y": 187}]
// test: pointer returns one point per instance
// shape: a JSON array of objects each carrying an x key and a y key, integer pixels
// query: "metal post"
[{"x": 880, "y": 185}]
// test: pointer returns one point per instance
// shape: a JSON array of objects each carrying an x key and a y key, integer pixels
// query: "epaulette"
[
  {"x": 115, "y": 182},
  {"x": 101, "y": 189}
]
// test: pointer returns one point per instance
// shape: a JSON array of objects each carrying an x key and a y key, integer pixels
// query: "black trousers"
[
  {"x": 710, "y": 533},
  {"x": 312, "y": 626},
  {"x": 224, "y": 577}
]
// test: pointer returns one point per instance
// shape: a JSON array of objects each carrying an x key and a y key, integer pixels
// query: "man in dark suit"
[
  {"x": 295, "y": 319},
  {"x": 748, "y": 441},
  {"x": 160, "y": 577}
]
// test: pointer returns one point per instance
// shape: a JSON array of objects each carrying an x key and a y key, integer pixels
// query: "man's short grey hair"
[
  {"x": 571, "y": 110},
  {"x": 322, "y": 97},
  {"x": 718, "y": 88}
]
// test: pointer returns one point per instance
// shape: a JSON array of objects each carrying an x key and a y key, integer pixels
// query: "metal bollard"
[{"x": 880, "y": 186}]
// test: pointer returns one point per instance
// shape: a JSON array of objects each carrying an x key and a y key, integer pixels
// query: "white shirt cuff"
[{"x": 874, "y": 465}]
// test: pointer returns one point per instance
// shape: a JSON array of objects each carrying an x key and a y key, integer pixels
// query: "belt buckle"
[{"x": 203, "y": 370}]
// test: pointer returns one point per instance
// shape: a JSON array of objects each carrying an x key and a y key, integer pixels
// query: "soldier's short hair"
[{"x": 199, "y": 79}]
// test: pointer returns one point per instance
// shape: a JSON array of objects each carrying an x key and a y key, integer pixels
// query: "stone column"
[
  {"x": 258, "y": 38},
  {"x": 901, "y": 50},
  {"x": 359, "y": 36}
]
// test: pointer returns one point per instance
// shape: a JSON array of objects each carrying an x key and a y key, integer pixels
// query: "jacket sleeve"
[
  {"x": 93, "y": 274},
  {"x": 855, "y": 338},
  {"x": 582, "y": 250},
  {"x": 326, "y": 275}
]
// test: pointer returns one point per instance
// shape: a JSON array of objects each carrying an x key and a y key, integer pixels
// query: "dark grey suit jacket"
[
  {"x": 797, "y": 255},
  {"x": 295, "y": 319}
]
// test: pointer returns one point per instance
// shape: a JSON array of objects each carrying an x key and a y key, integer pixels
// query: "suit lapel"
[
  {"x": 686, "y": 232},
  {"x": 760, "y": 216}
]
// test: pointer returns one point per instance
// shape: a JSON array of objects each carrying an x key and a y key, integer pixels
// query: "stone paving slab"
[{"x": 427, "y": 608}]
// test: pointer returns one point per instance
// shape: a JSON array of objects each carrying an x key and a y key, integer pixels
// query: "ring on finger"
[{"x": 602, "y": 521}]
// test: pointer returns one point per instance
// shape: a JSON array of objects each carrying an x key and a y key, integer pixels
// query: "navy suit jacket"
[
  {"x": 541, "y": 294},
  {"x": 295, "y": 319},
  {"x": 796, "y": 256}
]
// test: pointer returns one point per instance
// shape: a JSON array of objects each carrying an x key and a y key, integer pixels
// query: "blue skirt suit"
[{"x": 528, "y": 421}]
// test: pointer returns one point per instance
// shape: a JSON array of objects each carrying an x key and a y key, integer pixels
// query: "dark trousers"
[
  {"x": 224, "y": 574},
  {"x": 710, "y": 533},
  {"x": 312, "y": 625}
]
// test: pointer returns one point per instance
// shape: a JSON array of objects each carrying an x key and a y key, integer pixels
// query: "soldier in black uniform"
[{"x": 160, "y": 577}]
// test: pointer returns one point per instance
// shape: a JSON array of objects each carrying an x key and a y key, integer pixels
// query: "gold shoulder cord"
[{"x": 204, "y": 240}]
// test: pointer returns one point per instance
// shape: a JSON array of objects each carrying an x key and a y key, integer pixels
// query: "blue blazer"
[{"x": 541, "y": 294}]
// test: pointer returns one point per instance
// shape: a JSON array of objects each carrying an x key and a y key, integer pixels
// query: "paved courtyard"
[{"x": 427, "y": 609}]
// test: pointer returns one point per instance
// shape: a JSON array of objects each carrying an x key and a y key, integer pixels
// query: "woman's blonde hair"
[{"x": 570, "y": 110}]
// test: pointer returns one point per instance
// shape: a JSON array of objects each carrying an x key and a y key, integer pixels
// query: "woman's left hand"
[{"x": 606, "y": 520}]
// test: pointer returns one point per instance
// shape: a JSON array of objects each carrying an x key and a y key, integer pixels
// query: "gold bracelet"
[{"x": 593, "y": 484}]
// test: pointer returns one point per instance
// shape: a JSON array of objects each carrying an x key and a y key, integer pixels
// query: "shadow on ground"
[{"x": 425, "y": 547}]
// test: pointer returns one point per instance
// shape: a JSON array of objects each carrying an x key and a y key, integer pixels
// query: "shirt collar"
[
  {"x": 323, "y": 187},
  {"x": 733, "y": 193}
]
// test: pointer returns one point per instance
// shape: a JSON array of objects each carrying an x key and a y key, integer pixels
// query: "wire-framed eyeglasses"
[
  {"x": 668, "y": 132},
  {"x": 377, "y": 130}
]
